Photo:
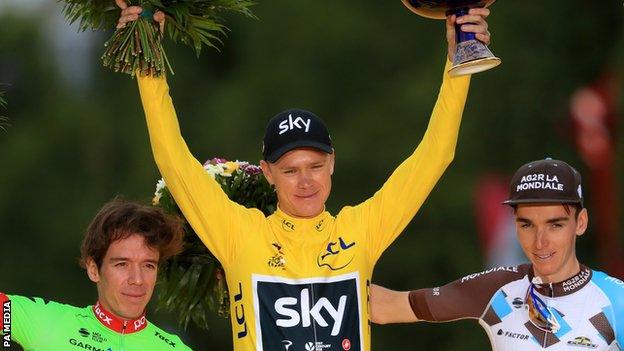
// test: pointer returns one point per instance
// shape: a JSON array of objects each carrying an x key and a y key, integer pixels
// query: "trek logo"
[
  {"x": 163, "y": 338},
  {"x": 332, "y": 249},
  {"x": 319, "y": 311},
  {"x": 102, "y": 316},
  {"x": 290, "y": 124},
  {"x": 5, "y": 323},
  {"x": 309, "y": 314}
]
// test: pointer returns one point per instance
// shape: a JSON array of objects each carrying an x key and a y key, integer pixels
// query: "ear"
[
  {"x": 266, "y": 170},
  {"x": 92, "y": 270},
  {"x": 582, "y": 222},
  {"x": 332, "y": 162}
]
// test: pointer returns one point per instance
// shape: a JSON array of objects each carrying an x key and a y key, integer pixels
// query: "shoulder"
[
  {"x": 498, "y": 275},
  {"x": 612, "y": 287},
  {"x": 38, "y": 314},
  {"x": 40, "y": 303},
  {"x": 167, "y": 339}
]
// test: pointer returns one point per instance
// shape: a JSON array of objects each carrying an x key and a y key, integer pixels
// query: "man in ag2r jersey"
[{"x": 553, "y": 303}]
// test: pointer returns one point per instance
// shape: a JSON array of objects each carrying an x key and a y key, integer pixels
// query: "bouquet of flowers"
[
  {"x": 138, "y": 45},
  {"x": 192, "y": 284}
]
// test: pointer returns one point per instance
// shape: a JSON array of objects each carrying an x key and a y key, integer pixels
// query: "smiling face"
[
  {"x": 547, "y": 234},
  {"x": 302, "y": 179},
  {"x": 126, "y": 278}
]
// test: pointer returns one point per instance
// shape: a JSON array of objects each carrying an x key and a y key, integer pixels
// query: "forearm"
[
  {"x": 396, "y": 203},
  {"x": 389, "y": 306},
  {"x": 200, "y": 198},
  {"x": 169, "y": 149},
  {"x": 440, "y": 139}
]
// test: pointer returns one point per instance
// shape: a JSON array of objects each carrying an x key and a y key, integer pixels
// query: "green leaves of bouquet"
[
  {"x": 192, "y": 284},
  {"x": 138, "y": 46},
  {"x": 4, "y": 122}
]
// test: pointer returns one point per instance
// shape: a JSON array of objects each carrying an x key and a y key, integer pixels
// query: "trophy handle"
[{"x": 471, "y": 55}]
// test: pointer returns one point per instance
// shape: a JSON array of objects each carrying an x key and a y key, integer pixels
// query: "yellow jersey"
[{"x": 300, "y": 284}]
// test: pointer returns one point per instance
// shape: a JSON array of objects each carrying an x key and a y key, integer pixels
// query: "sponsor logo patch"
[
  {"x": 582, "y": 341},
  {"x": 491, "y": 270},
  {"x": 277, "y": 260},
  {"x": 539, "y": 181},
  {"x": 337, "y": 254},
  {"x": 513, "y": 335},
  {"x": 316, "y": 313},
  {"x": 291, "y": 123}
]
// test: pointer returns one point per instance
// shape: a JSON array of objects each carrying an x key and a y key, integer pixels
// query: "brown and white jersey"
[{"x": 588, "y": 306}]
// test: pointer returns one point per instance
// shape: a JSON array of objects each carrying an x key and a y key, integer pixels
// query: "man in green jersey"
[{"x": 121, "y": 251}]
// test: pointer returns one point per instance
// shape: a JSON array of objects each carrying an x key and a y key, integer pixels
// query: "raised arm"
[
  {"x": 389, "y": 210},
  {"x": 215, "y": 218}
]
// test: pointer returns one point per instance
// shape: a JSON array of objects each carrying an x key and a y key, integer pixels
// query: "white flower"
[{"x": 159, "y": 187}]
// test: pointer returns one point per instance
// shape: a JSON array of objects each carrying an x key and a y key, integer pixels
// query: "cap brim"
[
  {"x": 540, "y": 201},
  {"x": 275, "y": 155}
]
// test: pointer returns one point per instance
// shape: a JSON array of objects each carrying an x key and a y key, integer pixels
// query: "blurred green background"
[{"x": 370, "y": 69}]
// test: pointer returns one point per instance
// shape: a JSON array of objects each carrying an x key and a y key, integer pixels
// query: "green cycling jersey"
[{"x": 41, "y": 325}]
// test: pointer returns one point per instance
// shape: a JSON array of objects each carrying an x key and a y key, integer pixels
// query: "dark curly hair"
[{"x": 119, "y": 219}]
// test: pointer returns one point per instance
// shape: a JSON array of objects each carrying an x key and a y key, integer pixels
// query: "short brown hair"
[{"x": 119, "y": 219}]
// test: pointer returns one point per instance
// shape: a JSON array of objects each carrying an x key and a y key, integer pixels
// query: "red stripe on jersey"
[{"x": 117, "y": 324}]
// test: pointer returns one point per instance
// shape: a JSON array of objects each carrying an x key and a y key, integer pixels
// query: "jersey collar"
[
  {"x": 291, "y": 224},
  {"x": 117, "y": 324},
  {"x": 566, "y": 287}
]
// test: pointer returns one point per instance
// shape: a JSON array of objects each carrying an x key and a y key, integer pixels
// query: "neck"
[
  {"x": 296, "y": 216},
  {"x": 570, "y": 269},
  {"x": 561, "y": 287}
]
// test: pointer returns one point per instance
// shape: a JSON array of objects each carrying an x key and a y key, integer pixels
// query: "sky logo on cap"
[{"x": 290, "y": 124}]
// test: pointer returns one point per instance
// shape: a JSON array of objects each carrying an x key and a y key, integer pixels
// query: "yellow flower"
[{"x": 230, "y": 167}]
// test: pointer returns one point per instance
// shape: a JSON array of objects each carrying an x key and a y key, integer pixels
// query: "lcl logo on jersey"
[
  {"x": 336, "y": 255},
  {"x": 323, "y": 310}
]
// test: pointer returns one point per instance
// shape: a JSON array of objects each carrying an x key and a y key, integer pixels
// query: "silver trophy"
[{"x": 471, "y": 56}]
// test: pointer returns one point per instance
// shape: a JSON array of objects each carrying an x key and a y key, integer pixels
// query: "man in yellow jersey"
[{"x": 299, "y": 279}]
